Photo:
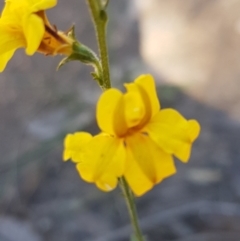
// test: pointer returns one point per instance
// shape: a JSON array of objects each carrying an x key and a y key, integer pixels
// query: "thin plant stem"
[
  {"x": 100, "y": 19},
  {"x": 128, "y": 195}
]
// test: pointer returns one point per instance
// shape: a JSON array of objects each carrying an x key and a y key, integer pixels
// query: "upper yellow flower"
[
  {"x": 138, "y": 140},
  {"x": 23, "y": 24}
]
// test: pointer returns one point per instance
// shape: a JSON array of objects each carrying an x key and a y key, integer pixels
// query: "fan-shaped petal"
[
  {"x": 173, "y": 133},
  {"x": 74, "y": 145},
  {"x": 153, "y": 162},
  {"x": 103, "y": 160}
]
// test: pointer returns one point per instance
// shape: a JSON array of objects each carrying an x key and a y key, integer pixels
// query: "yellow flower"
[
  {"x": 23, "y": 24},
  {"x": 138, "y": 140}
]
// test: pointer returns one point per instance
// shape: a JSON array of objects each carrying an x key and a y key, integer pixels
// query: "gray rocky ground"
[{"x": 192, "y": 48}]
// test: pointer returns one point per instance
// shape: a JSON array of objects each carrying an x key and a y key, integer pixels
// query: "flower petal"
[
  {"x": 152, "y": 161},
  {"x": 144, "y": 87},
  {"x": 103, "y": 161},
  {"x": 136, "y": 179},
  {"x": 146, "y": 83},
  {"x": 4, "y": 58},
  {"x": 173, "y": 133},
  {"x": 110, "y": 112},
  {"x": 9, "y": 41},
  {"x": 42, "y": 4},
  {"x": 107, "y": 182},
  {"x": 6, "y": 9},
  {"x": 134, "y": 108},
  {"x": 33, "y": 29},
  {"x": 74, "y": 144}
]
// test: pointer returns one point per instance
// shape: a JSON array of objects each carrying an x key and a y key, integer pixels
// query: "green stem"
[
  {"x": 131, "y": 208},
  {"x": 99, "y": 16}
]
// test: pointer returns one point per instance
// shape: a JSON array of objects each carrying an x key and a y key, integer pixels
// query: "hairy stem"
[
  {"x": 128, "y": 195},
  {"x": 100, "y": 20}
]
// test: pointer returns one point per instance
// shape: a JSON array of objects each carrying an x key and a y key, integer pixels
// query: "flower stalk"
[
  {"x": 128, "y": 195},
  {"x": 100, "y": 19}
]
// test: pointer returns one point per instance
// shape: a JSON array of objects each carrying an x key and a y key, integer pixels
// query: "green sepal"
[
  {"x": 71, "y": 33},
  {"x": 81, "y": 53},
  {"x": 85, "y": 55},
  {"x": 63, "y": 62},
  {"x": 95, "y": 76}
]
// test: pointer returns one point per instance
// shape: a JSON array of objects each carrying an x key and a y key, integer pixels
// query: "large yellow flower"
[
  {"x": 23, "y": 24},
  {"x": 138, "y": 140}
]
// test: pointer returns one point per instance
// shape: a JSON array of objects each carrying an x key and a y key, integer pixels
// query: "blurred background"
[{"x": 192, "y": 47}]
